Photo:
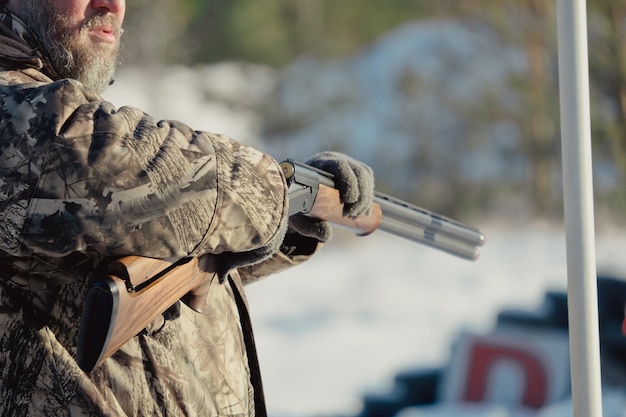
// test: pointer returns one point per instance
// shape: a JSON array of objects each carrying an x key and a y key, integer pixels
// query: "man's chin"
[{"x": 95, "y": 70}]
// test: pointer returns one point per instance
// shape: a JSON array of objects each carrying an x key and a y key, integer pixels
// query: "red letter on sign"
[{"x": 482, "y": 359}]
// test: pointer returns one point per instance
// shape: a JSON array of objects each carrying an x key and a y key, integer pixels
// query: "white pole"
[{"x": 578, "y": 198}]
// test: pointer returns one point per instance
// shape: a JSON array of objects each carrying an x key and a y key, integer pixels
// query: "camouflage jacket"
[{"x": 81, "y": 182}]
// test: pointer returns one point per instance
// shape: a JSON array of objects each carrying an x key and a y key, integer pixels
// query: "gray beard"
[{"x": 70, "y": 59}]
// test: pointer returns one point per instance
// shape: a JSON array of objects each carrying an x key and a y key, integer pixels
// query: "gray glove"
[
  {"x": 310, "y": 227},
  {"x": 355, "y": 182}
]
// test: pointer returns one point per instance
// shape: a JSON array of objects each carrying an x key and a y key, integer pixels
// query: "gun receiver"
[{"x": 308, "y": 185}]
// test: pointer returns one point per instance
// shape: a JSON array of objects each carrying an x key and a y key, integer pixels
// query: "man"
[{"x": 83, "y": 182}]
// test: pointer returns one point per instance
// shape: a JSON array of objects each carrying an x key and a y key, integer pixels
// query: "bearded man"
[{"x": 83, "y": 182}]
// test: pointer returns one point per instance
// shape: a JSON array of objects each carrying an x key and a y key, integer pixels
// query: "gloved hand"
[
  {"x": 310, "y": 227},
  {"x": 355, "y": 182}
]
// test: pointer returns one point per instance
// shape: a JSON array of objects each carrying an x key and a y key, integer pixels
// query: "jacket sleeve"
[{"x": 116, "y": 182}]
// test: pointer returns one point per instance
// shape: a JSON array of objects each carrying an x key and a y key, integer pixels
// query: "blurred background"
[{"x": 455, "y": 104}]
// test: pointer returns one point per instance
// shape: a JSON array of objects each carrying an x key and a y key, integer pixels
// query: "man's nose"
[{"x": 117, "y": 7}]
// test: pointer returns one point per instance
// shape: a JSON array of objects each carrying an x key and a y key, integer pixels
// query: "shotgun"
[
  {"x": 134, "y": 290},
  {"x": 312, "y": 192}
]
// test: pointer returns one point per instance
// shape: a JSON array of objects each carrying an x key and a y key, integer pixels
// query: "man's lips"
[{"x": 104, "y": 33}]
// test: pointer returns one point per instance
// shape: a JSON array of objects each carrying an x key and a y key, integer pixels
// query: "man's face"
[{"x": 82, "y": 37}]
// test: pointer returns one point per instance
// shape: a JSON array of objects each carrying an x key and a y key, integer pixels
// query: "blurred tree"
[
  {"x": 607, "y": 53},
  {"x": 608, "y": 73},
  {"x": 529, "y": 24},
  {"x": 532, "y": 26}
]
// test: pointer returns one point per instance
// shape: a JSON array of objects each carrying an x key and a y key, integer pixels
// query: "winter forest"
[{"x": 455, "y": 105}]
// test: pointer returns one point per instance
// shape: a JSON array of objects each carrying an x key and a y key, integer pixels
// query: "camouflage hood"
[{"x": 19, "y": 46}]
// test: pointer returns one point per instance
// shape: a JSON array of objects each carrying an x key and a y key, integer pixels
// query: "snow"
[{"x": 365, "y": 308}]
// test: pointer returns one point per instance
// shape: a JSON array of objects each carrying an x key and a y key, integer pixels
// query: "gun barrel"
[
  {"x": 402, "y": 212},
  {"x": 429, "y": 237}
]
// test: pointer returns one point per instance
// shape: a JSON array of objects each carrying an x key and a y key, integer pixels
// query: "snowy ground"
[{"x": 367, "y": 307}]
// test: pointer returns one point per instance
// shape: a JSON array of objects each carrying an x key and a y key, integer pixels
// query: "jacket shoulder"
[{"x": 25, "y": 76}]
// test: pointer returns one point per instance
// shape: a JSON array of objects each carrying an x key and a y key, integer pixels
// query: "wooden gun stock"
[{"x": 135, "y": 291}]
